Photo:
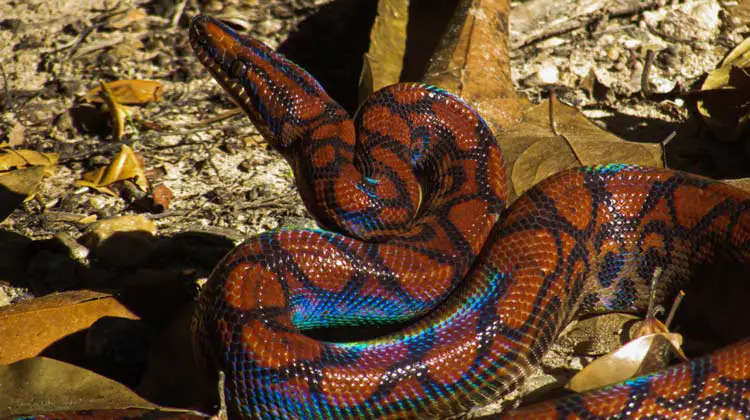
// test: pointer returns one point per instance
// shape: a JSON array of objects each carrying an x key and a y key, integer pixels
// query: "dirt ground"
[{"x": 225, "y": 183}]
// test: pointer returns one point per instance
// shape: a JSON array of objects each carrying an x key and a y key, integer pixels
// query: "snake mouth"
[{"x": 229, "y": 57}]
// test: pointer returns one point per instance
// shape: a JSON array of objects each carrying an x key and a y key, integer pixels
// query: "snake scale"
[{"x": 415, "y": 184}]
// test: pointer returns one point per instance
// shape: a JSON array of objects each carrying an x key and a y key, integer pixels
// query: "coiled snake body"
[{"x": 423, "y": 189}]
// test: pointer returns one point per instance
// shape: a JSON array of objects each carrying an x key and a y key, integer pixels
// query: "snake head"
[{"x": 280, "y": 97}]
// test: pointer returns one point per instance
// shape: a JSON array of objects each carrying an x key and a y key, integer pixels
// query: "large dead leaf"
[
  {"x": 638, "y": 357},
  {"x": 472, "y": 61},
  {"x": 382, "y": 63},
  {"x": 39, "y": 385},
  {"x": 13, "y": 159},
  {"x": 533, "y": 151},
  {"x": 29, "y": 327},
  {"x": 125, "y": 166},
  {"x": 724, "y": 101},
  {"x": 128, "y": 92},
  {"x": 17, "y": 186}
]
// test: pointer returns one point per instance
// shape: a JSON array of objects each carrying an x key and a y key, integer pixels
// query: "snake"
[{"x": 411, "y": 196}]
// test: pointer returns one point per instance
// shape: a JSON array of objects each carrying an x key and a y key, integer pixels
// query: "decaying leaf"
[
  {"x": 639, "y": 357},
  {"x": 383, "y": 62},
  {"x": 724, "y": 102},
  {"x": 31, "y": 326},
  {"x": 39, "y": 385},
  {"x": 129, "y": 92},
  {"x": 21, "y": 172},
  {"x": 533, "y": 151},
  {"x": 14, "y": 159},
  {"x": 472, "y": 62},
  {"x": 125, "y": 165},
  {"x": 18, "y": 186}
]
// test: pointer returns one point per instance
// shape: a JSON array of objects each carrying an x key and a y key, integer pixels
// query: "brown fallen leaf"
[
  {"x": 39, "y": 385},
  {"x": 533, "y": 151},
  {"x": 29, "y": 327},
  {"x": 18, "y": 186},
  {"x": 384, "y": 60},
  {"x": 472, "y": 62},
  {"x": 126, "y": 165},
  {"x": 723, "y": 104},
  {"x": 638, "y": 357},
  {"x": 14, "y": 159},
  {"x": 128, "y": 92}
]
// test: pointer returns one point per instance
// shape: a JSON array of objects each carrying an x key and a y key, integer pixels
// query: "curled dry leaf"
[
  {"x": 126, "y": 165},
  {"x": 15, "y": 159},
  {"x": 649, "y": 352},
  {"x": 128, "y": 92},
  {"x": 534, "y": 151},
  {"x": 384, "y": 60},
  {"x": 723, "y": 104},
  {"x": 29, "y": 327},
  {"x": 21, "y": 173},
  {"x": 39, "y": 385}
]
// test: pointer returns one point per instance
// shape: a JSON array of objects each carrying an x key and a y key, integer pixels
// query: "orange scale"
[
  {"x": 449, "y": 360},
  {"x": 348, "y": 197},
  {"x": 345, "y": 387},
  {"x": 422, "y": 277},
  {"x": 396, "y": 215},
  {"x": 612, "y": 404},
  {"x": 467, "y": 217},
  {"x": 326, "y": 266},
  {"x": 251, "y": 286},
  {"x": 386, "y": 189},
  {"x": 275, "y": 349},
  {"x": 375, "y": 356},
  {"x": 311, "y": 107},
  {"x": 408, "y": 96},
  {"x": 323, "y": 156},
  {"x": 688, "y": 197},
  {"x": 496, "y": 168},
  {"x": 653, "y": 240}
]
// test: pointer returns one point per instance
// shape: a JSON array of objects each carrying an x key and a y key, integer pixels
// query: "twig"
[
  {"x": 673, "y": 310},
  {"x": 663, "y": 145},
  {"x": 6, "y": 91},
  {"x": 178, "y": 13},
  {"x": 645, "y": 89},
  {"x": 652, "y": 309}
]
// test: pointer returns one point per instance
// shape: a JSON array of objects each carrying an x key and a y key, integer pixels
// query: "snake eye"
[{"x": 238, "y": 69}]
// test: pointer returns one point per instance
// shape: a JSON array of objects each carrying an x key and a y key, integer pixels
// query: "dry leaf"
[
  {"x": 534, "y": 152},
  {"x": 383, "y": 62},
  {"x": 125, "y": 166},
  {"x": 14, "y": 159},
  {"x": 39, "y": 385},
  {"x": 723, "y": 104},
  {"x": 18, "y": 186},
  {"x": 639, "y": 357},
  {"x": 472, "y": 62},
  {"x": 29, "y": 327},
  {"x": 129, "y": 92}
]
